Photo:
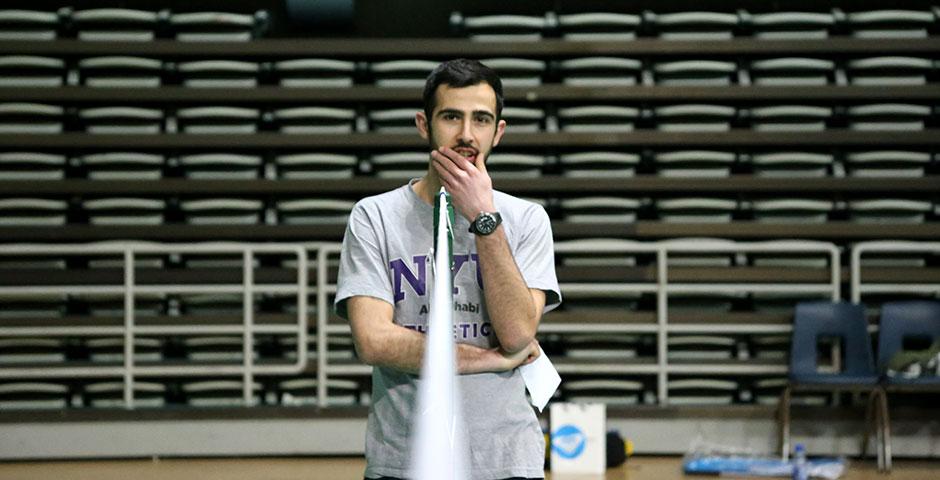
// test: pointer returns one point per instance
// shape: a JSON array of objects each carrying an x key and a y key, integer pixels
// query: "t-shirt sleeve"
[
  {"x": 362, "y": 262},
  {"x": 535, "y": 256}
]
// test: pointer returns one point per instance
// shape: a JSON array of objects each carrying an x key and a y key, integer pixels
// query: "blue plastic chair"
[
  {"x": 847, "y": 322},
  {"x": 900, "y": 321}
]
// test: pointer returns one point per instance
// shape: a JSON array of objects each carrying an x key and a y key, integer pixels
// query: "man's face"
[{"x": 463, "y": 119}]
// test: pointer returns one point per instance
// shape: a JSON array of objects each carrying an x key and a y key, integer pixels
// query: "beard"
[{"x": 478, "y": 153}]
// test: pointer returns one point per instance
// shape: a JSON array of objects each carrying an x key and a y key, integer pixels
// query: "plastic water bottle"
[{"x": 800, "y": 467}]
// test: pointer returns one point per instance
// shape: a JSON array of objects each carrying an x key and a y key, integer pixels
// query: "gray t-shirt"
[{"x": 386, "y": 255}]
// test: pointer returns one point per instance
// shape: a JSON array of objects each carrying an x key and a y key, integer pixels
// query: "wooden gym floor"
[{"x": 637, "y": 468}]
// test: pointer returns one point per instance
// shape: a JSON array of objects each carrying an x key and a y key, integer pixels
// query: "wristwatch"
[{"x": 485, "y": 223}]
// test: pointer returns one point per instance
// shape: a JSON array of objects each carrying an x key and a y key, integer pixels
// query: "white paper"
[{"x": 541, "y": 379}]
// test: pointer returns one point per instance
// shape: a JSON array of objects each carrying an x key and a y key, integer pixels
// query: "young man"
[{"x": 504, "y": 280}]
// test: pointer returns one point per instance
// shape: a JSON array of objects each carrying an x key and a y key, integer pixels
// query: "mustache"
[{"x": 465, "y": 145}]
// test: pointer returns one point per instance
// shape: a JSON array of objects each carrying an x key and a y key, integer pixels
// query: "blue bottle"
[{"x": 800, "y": 466}]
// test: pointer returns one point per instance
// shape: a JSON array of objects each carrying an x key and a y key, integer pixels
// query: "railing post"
[
  {"x": 248, "y": 358},
  {"x": 662, "y": 302},
  {"x": 322, "y": 317},
  {"x": 129, "y": 333}
]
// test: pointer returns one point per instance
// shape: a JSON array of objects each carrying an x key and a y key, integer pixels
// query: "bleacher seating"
[{"x": 620, "y": 128}]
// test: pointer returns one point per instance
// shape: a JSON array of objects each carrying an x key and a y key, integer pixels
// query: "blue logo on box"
[{"x": 568, "y": 441}]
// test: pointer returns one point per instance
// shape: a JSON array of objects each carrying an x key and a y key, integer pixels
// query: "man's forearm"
[
  {"x": 403, "y": 349},
  {"x": 508, "y": 299}
]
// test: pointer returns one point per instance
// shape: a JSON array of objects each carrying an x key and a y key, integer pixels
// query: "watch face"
[{"x": 486, "y": 224}]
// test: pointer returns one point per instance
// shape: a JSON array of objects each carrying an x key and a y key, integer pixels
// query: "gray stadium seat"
[
  {"x": 890, "y": 210},
  {"x": 694, "y": 118},
  {"x": 697, "y": 73},
  {"x": 303, "y": 391},
  {"x": 598, "y": 26},
  {"x": 31, "y": 118},
  {"x": 219, "y": 73},
  {"x": 218, "y": 26},
  {"x": 510, "y": 28},
  {"x": 305, "y": 166},
  {"x": 599, "y": 164},
  {"x": 702, "y": 391},
  {"x": 29, "y": 350},
  {"x": 600, "y": 209},
  {"x": 218, "y": 120},
  {"x": 525, "y": 119},
  {"x": 124, "y": 72},
  {"x": 599, "y": 252},
  {"x": 883, "y": 71},
  {"x": 515, "y": 165},
  {"x": 693, "y": 25},
  {"x": 790, "y": 118},
  {"x": 29, "y": 166},
  {"x": 890, "y": 23},
  {"x": 701, "y": 348},
  {"x": 694, "y": 163},
  {"x": 216, "y": 349},
  {"x": 315, "y": 73},
  {"x": 886, "y": 163},
  {"x": 33, "y": 396},
  {"x": 600, "y": 71},
  {"x": 597, "y": 118},
  {"x": 221, "y": 166},
  {"x": 888, "y": 117},
  {"x": 33, "y": 305},
  {"x": 792, "y": 25},
  {"x": 400, "y": 164},
  {"x": 116, "y": 24},
  {"x": 219, "y": 393},
  {"x": 125, "y": 211},
  {"x": 613, "y": 348},
  {"x": 610, "y": 391},
  {"x": 807, "y": 259},
  {"x": 111, "y": 350},
  {"x": 792, "y": 210},
  {"x": 696, "y": 210},
  {"x": 517, "y": 72},
  {"x": 313, "y": 211},
  {"x": 792, "y": 71},
  {"x": 121, "y": 120},
  {"x": 112, "y": 305},
  {"x": 792, "y": 164},
  {"x": 316, "y": 120},
  {"x": 393, "y": 120},
  {"x": 111, "y": 395},
  {"x": 28, "y": 25},
  {"x": 223, "y": 211},
  {"x": 32, "y": 212},
  {"x": 31, "y": 71},
  {"x": 123, "y": 166},
  {"x": 401, "y": 73}
]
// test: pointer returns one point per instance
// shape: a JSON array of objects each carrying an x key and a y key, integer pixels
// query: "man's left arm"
[{"x": 514, "y": 309}]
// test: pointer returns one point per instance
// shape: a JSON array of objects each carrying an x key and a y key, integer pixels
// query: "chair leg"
[
  {"x": 886, "y": 430},
  {"x": 871, "y": 424},
  {"x": 879, "y": 432},
  {"x": 783, "y": 422}
]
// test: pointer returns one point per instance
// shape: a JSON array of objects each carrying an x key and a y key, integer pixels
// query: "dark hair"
[{"x": 461, "y": 73}]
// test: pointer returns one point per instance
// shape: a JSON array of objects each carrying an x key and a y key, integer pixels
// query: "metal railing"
[
  {"x": 890, "y": 247},
  {"x": 324, "y": 289},
  {"x": 662, "y": 287},
  {"x": 129, "y": 289}
]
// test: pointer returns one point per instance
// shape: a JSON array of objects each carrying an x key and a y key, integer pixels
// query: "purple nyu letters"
[{"x": 418, "y": 281}]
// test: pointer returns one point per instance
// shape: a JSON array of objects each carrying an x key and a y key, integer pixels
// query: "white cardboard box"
[{"x": 578, "y": 438}]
